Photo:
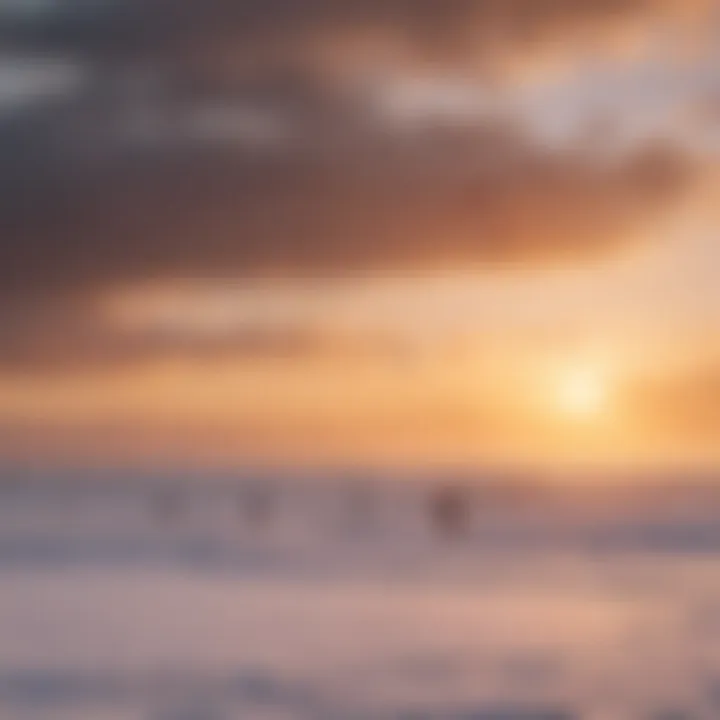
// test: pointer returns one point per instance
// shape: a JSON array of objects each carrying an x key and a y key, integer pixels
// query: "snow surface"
[{"x": 113, "y": 609}]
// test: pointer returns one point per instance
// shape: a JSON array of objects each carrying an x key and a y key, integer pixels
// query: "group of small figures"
[{"x": 447, "y": 508}]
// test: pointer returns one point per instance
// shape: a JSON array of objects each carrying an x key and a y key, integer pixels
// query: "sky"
[{"x": 360, "y": 233}]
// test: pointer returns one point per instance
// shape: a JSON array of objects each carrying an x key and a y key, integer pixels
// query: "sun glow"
[{"x": 582, "y": 392}]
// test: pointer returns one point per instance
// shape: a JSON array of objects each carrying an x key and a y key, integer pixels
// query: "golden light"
[{"x": 582, "y": 392}]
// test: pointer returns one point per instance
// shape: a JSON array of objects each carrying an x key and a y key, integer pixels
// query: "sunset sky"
[{"x": 360, "y": 232}]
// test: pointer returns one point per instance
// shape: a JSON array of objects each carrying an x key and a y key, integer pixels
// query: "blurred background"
[{"x": 359, "y": 359}]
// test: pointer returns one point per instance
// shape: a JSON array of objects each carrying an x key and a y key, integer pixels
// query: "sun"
[{"x": 582, "y": 392}]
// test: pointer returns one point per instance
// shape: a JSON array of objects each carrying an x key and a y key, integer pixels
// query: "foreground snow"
[{"x": 108, "y": 615}]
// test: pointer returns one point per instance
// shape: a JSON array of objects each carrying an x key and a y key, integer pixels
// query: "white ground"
[{"x": 106, "y": 614}]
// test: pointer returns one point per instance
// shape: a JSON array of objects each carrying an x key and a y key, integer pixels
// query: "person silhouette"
[{"x": 449, "y": 511}]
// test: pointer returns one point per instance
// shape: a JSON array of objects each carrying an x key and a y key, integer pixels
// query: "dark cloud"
[
  {"x": 115, "y": 186},
  {"x": 436, "y": 27},
  {"x": 374, "y": 204},
  {"x": 81, "y": 214}
]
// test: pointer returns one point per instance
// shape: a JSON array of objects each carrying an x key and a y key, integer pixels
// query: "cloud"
[
  {"x": 77, "y": 225},
  {"x": 364, "y": 202},
  {"x": 67, "y": 338},
  {"x": 159, "y": 168},
  {"x": 276, "y": 29}
]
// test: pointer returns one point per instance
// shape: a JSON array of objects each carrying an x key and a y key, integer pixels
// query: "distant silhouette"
[{"x": 449, "y": 511}]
